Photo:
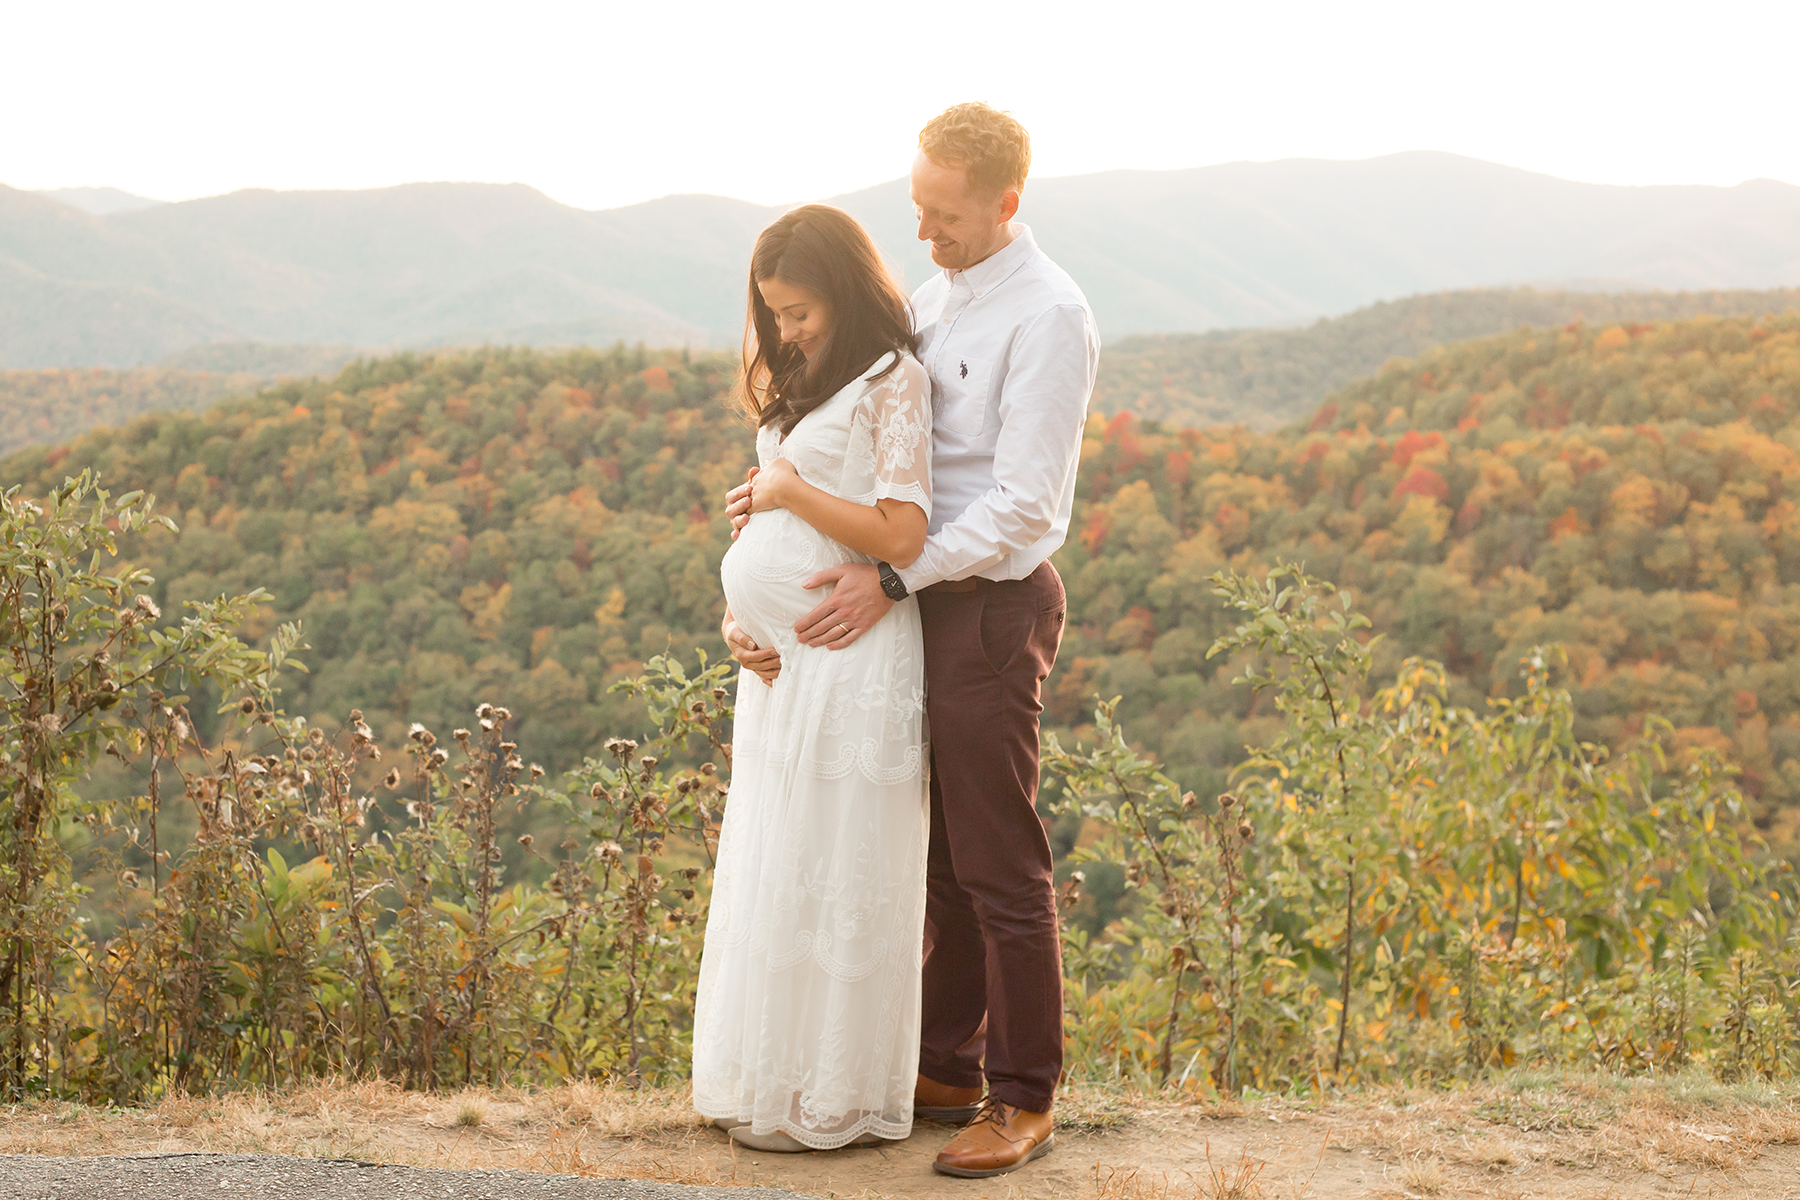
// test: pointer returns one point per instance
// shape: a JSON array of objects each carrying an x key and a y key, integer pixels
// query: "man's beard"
[{"x": 953, "y": 257}]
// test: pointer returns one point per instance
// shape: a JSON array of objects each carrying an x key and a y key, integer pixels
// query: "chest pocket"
[{"x": 960, "y": 392}]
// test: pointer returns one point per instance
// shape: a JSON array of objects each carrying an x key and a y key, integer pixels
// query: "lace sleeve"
[{"x": 900, "y": 423}]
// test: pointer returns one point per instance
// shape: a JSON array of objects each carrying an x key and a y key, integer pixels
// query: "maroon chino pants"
[{"x": 993, "y": 961}]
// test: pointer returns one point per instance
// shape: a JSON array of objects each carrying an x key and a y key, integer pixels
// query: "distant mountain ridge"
[
  {"x": 1267, "y": 378},
  {"x": 1261, "y": 378},
  {"x": 1242, "y": 244},
  {"x": 101, "y": 201}
]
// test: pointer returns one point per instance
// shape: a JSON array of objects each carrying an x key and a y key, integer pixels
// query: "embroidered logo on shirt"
[{"x": 965, "y": 370}]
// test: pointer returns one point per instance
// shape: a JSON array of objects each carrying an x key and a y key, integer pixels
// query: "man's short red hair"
[{"x": 990, "y": 145}]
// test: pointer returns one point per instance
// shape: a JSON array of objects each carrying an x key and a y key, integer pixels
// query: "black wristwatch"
[{"x": 892, "y": 585}]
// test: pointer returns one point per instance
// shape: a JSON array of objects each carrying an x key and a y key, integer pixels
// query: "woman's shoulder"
[{"x": 899, "y": 372}]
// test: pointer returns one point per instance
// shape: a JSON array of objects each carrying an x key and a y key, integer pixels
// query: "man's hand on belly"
[
  {"x": 764, "y": 664},
  {"x": 853, "y": 607}
]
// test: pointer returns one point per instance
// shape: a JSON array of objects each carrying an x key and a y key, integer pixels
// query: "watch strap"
[{"x": 892, "y": 586}]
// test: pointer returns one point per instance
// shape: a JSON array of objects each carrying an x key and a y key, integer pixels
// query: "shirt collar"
[{"x": 994, "y": 269}]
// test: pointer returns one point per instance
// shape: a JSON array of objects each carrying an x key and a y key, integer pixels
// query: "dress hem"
[{"x": 892, "y": 1131}]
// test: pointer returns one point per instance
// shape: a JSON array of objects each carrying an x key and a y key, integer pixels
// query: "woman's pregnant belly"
[{"x": 764, "y": 568}]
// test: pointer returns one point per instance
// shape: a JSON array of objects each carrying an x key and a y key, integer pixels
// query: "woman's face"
[{"x": 802, "y": 316}]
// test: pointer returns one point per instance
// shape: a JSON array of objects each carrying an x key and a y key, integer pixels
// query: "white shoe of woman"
[
  {"x": 778, "y": 1142},
  {"x": 774, "y": 1141}
]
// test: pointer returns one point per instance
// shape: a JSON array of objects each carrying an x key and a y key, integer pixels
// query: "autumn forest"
[
  {"x": 540, "y": 530},
  {"x": 537, "y": 524}
]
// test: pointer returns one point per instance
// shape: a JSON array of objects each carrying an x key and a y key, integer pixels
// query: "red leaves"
[
  {"x": 1568, "y": 523},
  {"x": 1423, "y": 481},
  {"x": 1411, "y": 443},
  {"x": 1095, "y": 528}
]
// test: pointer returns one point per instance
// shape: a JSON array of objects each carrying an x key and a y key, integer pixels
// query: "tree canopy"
[{"x": 529, "y": 526}]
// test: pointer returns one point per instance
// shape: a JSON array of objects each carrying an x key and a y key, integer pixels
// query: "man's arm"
[{"x": 1043, "y": 407}]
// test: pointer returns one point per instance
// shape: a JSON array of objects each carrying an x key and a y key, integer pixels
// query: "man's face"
[{"x": 963, "y": 225}]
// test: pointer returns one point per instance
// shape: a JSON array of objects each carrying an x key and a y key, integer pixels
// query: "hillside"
[
  {"x": 1620, "y": 489},
  {"x": 1264, "y": 378},
  {"x": 1267, "y": 378},
  {"x": 47, "y": 408},
  {"x": 452, "y": 529},
  {"x": 101, "y": 201},
  {"x": 268, "y": 360},
  {"x": 1230, "y": 246},
  {"x": 532, "y": 525}
]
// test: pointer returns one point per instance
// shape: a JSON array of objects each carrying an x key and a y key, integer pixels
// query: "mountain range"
[
  {"x": 1268, "y": 378},
  {"x": 1236, "y": 245}
]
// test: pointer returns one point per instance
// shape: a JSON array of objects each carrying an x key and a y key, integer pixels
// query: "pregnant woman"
[{"x": 806, "y": 1026}]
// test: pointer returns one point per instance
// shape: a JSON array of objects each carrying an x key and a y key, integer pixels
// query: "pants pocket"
[{"x": 1006, "y": 630}]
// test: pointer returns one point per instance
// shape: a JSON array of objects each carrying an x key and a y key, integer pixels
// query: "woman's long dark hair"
[{"x": 824, "y": 251}]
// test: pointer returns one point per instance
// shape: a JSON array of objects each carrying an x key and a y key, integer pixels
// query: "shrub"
[{"x": 1400, "y": 887}]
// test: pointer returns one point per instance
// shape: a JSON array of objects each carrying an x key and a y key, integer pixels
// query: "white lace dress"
[{"x": 807, "y": 1018}]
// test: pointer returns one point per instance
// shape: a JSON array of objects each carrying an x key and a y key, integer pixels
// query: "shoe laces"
[{"x": 992, "y": 1109}]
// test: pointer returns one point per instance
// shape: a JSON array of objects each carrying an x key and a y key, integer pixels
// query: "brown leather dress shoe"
[
  {"x": 934, "y": 1101},
  {"x": 1001, "y": 1138}
]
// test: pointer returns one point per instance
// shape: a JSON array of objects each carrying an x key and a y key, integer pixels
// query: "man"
[{"x": 1012, "y": 351}]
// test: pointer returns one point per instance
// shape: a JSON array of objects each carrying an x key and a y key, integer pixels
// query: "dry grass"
[
  {"x": 1426, "y": 1175},
  {"x": 1572, "y": 1136},
  {"x": 556, "y": 1129},
  {"x": 1237, "y": 1178}
]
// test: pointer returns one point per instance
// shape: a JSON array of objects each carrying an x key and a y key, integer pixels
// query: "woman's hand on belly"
[
  {"x": 737, "y": 503},
  {"x": 764, "y": 664},
  {"x": 769, "y": 487}
]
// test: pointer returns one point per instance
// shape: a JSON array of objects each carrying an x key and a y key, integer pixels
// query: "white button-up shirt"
[{"x": 1012, "y": 351}]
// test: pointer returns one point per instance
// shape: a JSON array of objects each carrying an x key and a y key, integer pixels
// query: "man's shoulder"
[{"x": 1049, "y": 285}]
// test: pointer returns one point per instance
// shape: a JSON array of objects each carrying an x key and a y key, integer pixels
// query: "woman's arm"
[{"x": 890, "y": 530}]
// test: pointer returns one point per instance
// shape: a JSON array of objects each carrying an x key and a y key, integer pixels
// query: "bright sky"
[{"x": 606, "y": 103}]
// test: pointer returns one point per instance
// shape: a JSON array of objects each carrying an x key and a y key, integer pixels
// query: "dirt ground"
[{"x": 1568, "y": 1137}]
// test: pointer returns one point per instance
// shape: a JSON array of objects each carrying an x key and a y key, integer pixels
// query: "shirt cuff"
[{"x": 918, "y": 576}]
